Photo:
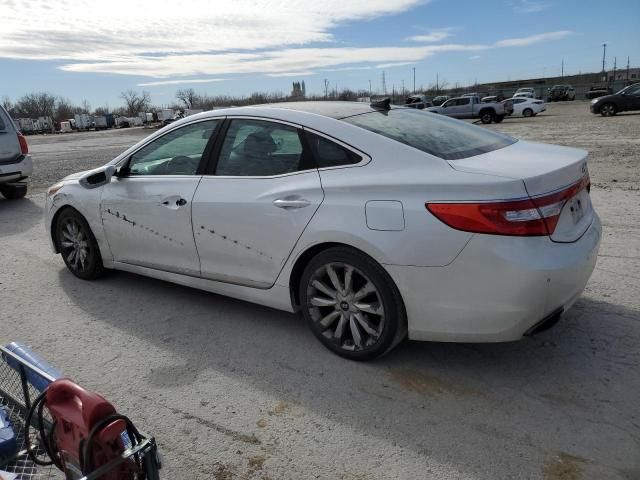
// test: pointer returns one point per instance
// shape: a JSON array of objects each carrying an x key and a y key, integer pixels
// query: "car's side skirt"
[{"x": 277, "y": 296}]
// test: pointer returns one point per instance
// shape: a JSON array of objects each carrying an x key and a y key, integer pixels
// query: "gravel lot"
[{"x": 233, "y": 390}]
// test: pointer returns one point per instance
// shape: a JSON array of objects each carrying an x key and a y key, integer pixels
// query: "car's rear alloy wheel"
[
  {"x": 608, "y": 110},
  {"x": 527, "y": 112},
  {"x": 78, "y": 246},
  {"x": 351, "y": 304}
]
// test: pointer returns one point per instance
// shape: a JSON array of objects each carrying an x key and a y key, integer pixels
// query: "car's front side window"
[
  {"x": 177, "y": 153},
  {"x": 260, "y": 148}
]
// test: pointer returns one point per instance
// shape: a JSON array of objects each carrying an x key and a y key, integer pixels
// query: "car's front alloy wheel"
[
  {"x": 78, "y": 246},
  {"x": 608, "y": 110},
  {"x": 351, "y": 304}
]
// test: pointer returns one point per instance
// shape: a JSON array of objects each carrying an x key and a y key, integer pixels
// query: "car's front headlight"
[
  {"x": 53, "y": 189},
  {"x": 594, "y": 101}
]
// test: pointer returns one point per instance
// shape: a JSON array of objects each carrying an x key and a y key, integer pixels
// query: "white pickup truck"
[
  {"x": 15, "y": 161},
  {"x": 472, "y": 107}
]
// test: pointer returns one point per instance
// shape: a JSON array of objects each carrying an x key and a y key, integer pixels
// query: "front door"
[
  {"x": 249, "y": 214},
  {"x": 147, "y": 210}
]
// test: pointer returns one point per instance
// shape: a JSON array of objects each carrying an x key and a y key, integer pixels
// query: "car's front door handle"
[
  {"x": 288, "y": 203},
  {"x": 173, "y": 202}
]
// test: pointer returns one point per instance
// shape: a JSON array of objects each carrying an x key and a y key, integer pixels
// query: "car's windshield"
[
  {"x": 438, "y": 135},
  {"x": 628, "y": 88}
]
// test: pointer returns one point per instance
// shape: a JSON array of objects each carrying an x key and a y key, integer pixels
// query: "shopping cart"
[{"x": 17, "y": 394}]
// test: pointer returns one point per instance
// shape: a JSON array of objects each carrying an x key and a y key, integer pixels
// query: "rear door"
[
  {"x": 252, "y": 207},
  {"x": 631, "y": 98},
  {"x": 147, "y": 212},
  {"x": 9, "y": 145}
]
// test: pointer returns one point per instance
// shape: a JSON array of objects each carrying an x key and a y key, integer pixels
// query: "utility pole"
[
  {"x": 370, "y": 89},
  {"x": 336, "y": 96},
  {"x": 627, "y": 69},
  {"x": 326, "y": 88},
  {"x": 562, "y": 68},
  {"x": 414, "y": 80},
  {"x": 604, "y": 56},
  {"x": 403, "y": 88},
  {"x": 615, "y": 60},
  {"x": 384, "y": 84},
  {"x": 437, "y": 89}
]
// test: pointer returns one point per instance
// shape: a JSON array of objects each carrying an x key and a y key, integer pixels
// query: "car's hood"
[{"x": 604, "y": 98}]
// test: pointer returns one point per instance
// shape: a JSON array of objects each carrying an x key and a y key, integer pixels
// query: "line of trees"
[{"x": 44, "y": 104}]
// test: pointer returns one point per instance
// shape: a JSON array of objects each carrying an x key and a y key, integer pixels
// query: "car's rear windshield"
[{"x": 438, "y": 135}]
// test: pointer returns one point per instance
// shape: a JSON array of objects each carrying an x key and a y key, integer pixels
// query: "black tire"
[
  {"x": 499, "y": 118},
  {"x": 487, "y": 116},
  {"x": 87, "y": 266},
  {"x": 527, "y": 112},
  {"x": 608, "y": 110},
  {"x": 13, "y": 192},
  {"x": 380, "y": 328}
]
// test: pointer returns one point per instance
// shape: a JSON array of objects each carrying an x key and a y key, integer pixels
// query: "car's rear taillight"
[
  {"x": 24, "y": 146},
  {"x": 531, "y": 217}
]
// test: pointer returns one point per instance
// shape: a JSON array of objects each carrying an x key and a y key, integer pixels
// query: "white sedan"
[
  {"x": 527, "y": 107},
  {"x": 374, "y": 222}
]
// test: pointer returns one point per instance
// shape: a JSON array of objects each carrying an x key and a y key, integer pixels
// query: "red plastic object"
[{"x": 76, "y": 411}]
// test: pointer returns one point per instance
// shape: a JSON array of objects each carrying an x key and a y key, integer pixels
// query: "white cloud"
[
  {"x": 394, "y": 64},
  {"x": 182, "y": 42},
  {"x": 178, "y": 82},
  {"x": 531, "y": 39},
  {"x": 433, "y": 36},
  {"x": 475, "y": 57},
  {"x": 529, "y": 6},
  {"x": 85, "y": 30}
]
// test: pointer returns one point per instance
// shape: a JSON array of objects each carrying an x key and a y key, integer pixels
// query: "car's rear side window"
[
  {"x": 2, "y": 124},
  {"x": 329, "y": 154},
  {"x": 436, "y": 134}
]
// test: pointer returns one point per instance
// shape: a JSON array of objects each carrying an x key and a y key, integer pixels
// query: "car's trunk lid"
[{"x": 544, "y": 169}]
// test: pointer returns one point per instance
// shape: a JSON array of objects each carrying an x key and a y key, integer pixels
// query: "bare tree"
[
  {"x": 86, "y": 107},
  {"x": 40, "y": 104},
  {"x": 7, "y": 104},
  {"x": 135, "y": 102},
  {"x": 64, "y": 109},
  {"x": 187, "y": 96}
]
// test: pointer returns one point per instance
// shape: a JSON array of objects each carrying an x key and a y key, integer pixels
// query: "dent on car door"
[
  {"x": 249, "y": 213},
  {"x": 146, "y": 209}
]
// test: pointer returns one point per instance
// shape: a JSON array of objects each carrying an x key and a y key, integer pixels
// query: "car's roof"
[{"x": 329, "y": 109}]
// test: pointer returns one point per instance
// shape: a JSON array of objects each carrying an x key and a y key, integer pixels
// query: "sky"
[{"x": 88, "y": 50}]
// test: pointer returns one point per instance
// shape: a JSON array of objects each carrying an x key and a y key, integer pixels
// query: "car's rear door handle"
[{"x": 288, "y": 203}]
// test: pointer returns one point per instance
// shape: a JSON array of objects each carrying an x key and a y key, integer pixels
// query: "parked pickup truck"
[
  {"x": 472, "y": 107},
  {"x": 15, "y": 161}
]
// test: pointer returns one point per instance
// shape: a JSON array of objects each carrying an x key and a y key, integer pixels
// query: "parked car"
[
  {"x": 489, "y": 99},
  {"x": 418, "y": 101},
  {"x": 304, "y": 207},
  {"x": 527, "y": 107},
  {"x": 15, "y": 161},
  {"x": 472, "y": 107},
  {"x": 625, "y": 100},
  {"x": 559, "y": 93},
  {"x": 439, "y": 100},
  {"x": 524, "y": 95},
  {"x": 470, "y": 94},
  {"x": 595, "y": 92},
  {"x": 529, "y": 90}
]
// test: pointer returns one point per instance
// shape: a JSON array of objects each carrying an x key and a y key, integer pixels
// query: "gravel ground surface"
[{"x": 233, "y": 390}]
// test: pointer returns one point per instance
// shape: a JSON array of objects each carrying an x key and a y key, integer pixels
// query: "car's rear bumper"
[
  {"x": 498, "y": 288},
  {"x": 17, "y": 171}
]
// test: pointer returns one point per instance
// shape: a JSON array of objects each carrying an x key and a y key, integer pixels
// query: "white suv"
[{"x": 15, "y": 161}]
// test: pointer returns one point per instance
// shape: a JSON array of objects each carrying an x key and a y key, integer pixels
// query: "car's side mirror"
[{"x": 97, "y": 177}]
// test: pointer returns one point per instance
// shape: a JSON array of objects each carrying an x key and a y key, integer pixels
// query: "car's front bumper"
[
  {"x": 498, "y": 288},
  {"x": 16, "y": 171}
]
